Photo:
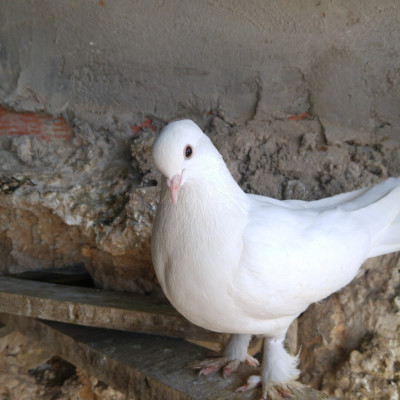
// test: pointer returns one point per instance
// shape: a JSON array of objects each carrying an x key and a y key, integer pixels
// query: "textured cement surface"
[{"x": 256, "y": 58}]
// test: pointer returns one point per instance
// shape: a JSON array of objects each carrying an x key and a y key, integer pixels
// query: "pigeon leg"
[
  {"x": 278, "y": 366},
  {"x": 278, "y": 371},
  {"x": 234, "y": 354}
]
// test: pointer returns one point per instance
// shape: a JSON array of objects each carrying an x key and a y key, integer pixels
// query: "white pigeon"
[{"x": 249, "y": 265}]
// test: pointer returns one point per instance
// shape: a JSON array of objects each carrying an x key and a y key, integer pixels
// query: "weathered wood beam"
[
  {"x": 143, "y": 366},
  {"x": 97, "y": 308}
]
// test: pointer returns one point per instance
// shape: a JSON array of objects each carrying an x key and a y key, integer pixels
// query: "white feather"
[
  {"x": 246, "y": 264},
  {"x": 279, "y": 367}
]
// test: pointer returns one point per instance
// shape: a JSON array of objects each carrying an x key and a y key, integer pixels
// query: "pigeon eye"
[{"x": 188, "y": 152}]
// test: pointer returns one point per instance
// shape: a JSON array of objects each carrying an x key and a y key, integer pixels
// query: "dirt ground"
[{"x": 28, "y": 371}]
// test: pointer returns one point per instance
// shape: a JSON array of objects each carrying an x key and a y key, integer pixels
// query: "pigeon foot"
[
  {"x": 272, "y": 392},
  {"x": 228, "y": 366},
  {"x": 281, "y": 391},
  {"x": 253, "y": 381}
]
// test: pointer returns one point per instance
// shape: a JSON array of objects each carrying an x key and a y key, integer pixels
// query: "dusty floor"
[{"x": 29, "y": 372}]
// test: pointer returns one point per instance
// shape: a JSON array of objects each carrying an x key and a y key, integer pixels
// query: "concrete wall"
[{"x": 338, "y": 59}]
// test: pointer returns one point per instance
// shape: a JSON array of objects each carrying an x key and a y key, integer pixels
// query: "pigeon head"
[{"x": 182, "y": 152}]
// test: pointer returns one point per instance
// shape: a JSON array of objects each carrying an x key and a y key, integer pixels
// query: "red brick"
[
  {"x": 42, "y": 126},
  {"x": 147, "y": 123}
]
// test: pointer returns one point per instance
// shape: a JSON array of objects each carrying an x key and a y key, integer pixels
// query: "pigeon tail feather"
[
  {"x": 389, "y": 242},
  {"x": 382, "y": 216}
]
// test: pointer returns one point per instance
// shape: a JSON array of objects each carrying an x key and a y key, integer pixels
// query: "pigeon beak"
[{"x": 174, "y": 185}]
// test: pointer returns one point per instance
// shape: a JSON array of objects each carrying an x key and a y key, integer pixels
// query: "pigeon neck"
[{"x": 219, "y": 187}]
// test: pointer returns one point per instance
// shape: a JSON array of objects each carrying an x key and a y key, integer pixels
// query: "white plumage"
[{"x": 245, "y": 264}]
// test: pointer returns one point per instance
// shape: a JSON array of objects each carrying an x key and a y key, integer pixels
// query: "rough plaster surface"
[
  {"x": 301, "y": 98},
  {"x": 180, "y": 57}
]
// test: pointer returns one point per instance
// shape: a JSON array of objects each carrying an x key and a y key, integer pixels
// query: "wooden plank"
[
  {"x": 97, "y": 308},
  {"x": 143, "y": 366}
]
